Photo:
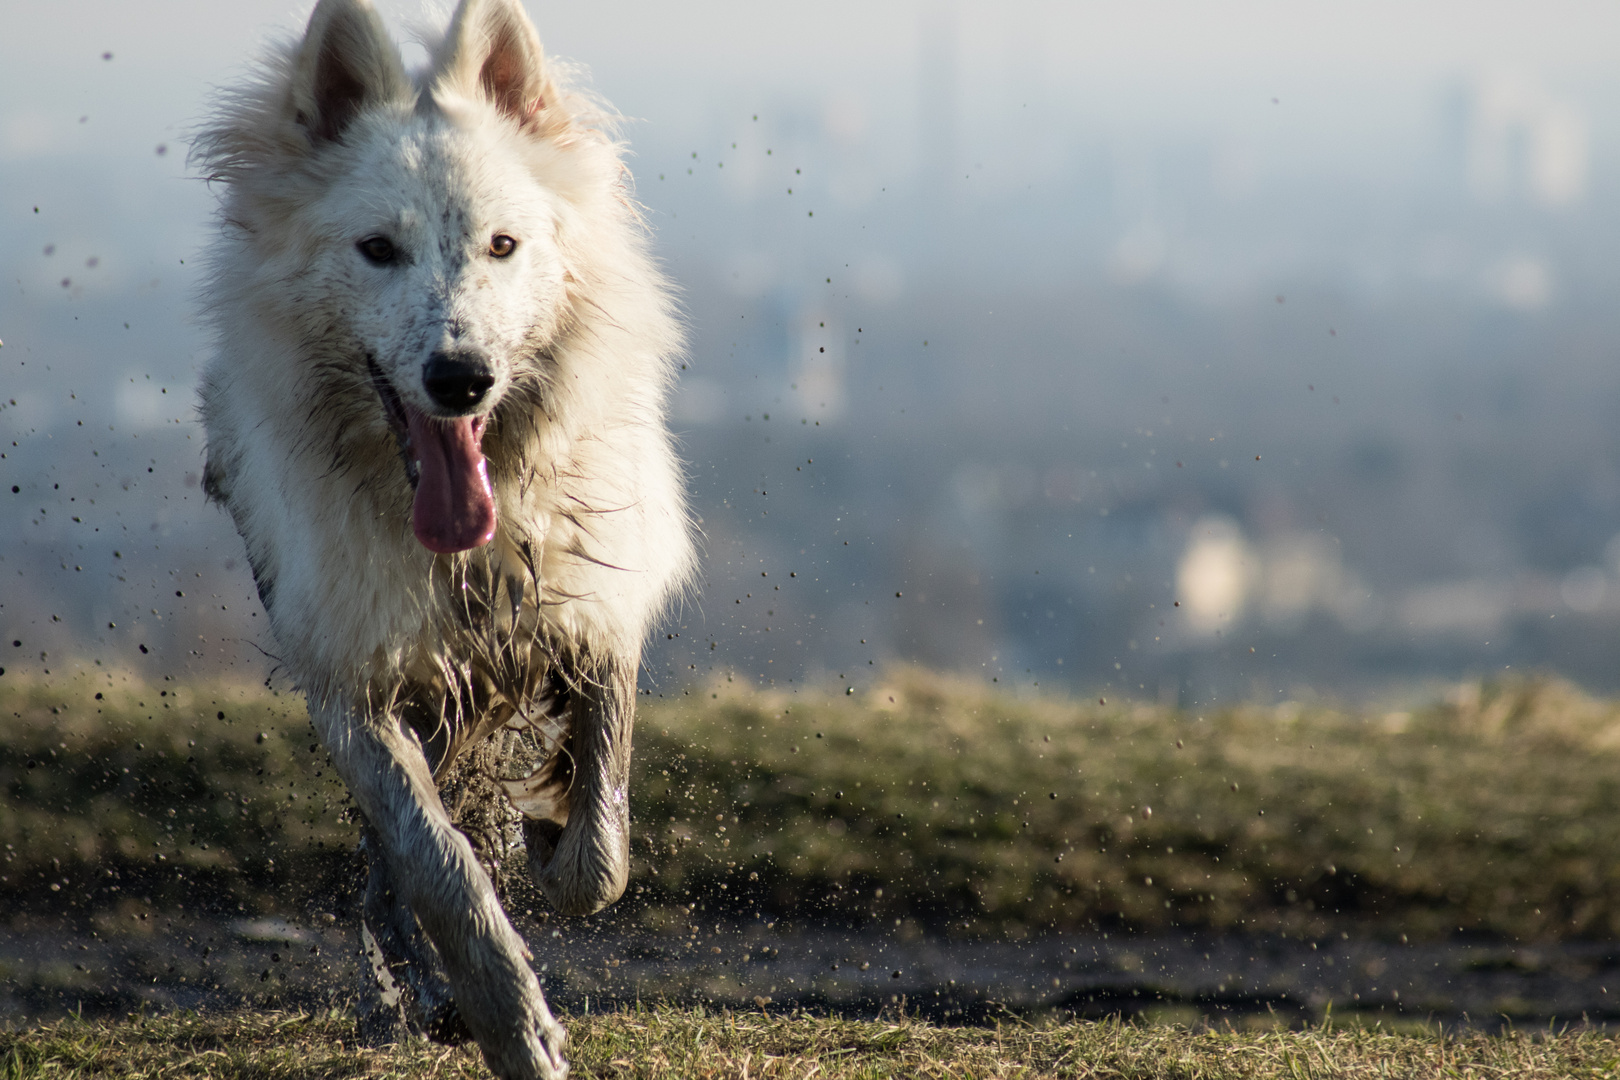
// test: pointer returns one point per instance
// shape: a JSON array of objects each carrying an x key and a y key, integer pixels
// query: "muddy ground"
[{"x": 140, "y": 961}]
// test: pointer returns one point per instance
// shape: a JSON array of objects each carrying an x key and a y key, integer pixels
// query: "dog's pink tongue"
[{"x": 454, "y": 508}]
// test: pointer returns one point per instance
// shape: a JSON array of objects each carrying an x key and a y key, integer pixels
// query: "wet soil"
[{"x": 142, "y": 961}]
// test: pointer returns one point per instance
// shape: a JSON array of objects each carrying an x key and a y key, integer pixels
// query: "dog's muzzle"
[{"x": 454, "y": 507}]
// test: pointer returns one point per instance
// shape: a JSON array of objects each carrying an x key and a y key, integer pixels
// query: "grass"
[
  {"x": 935, "y": 801},
  {"x": 942, "y": 800},
  {"x": 116, "y": 792},
  {"x": 677, "y": 1044}
]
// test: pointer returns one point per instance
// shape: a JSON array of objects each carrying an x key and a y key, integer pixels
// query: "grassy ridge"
[
  {"x": 1493, "y": 811},
  {"x": 120, "y": 792},
  {"x": 929, "y": 800},
  {"x": 677, "y": 1044}
]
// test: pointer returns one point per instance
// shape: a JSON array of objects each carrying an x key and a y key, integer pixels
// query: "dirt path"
[{"x": 51, "y": 969}]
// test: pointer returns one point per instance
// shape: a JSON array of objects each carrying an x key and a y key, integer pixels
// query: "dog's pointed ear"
[
  {"x": 492, "y": 53},
  {"x": 346, "y": 62}
]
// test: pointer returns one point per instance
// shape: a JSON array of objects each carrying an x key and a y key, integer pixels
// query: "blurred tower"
[{"x": 1526, "y": 143}]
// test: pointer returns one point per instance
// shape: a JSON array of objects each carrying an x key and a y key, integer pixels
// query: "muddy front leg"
[
  {"x": 403, "y": 990},
  {"x": 577, "y": 806},
  {"x": 438, "y": 880}
]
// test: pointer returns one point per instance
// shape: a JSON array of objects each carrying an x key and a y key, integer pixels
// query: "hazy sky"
[
  {"x": 168, "y": 52},
  {"x": 1316, "y": 90},
  {"x": 1323, "y": 75}
]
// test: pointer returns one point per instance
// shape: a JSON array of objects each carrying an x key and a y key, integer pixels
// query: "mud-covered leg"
[
  {"x": 379, "y": 1004},
  {"x": 577, "y": 805},
  {"x": 436, "y": 876},
  {"x": 403, "y": 988}
]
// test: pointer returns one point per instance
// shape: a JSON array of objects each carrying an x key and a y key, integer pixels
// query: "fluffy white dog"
[{"x": 436, "y": 416}]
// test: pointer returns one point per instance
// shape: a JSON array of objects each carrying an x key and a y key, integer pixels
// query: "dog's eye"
[
  {"x": 501, "y": 245},
  {"x": 377, "y": 249}
]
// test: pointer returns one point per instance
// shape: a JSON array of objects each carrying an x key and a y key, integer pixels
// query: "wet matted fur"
[{"x": 436, "y": 416}]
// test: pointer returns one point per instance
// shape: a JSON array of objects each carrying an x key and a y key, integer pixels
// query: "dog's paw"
[
  {"x": 553, "y": 1042},
  {"x": 538, "y": 1056},
  {"x": 553, "y": 1038}
]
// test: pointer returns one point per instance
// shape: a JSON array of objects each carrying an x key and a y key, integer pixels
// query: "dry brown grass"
[{"x": 691, "y": 1044}]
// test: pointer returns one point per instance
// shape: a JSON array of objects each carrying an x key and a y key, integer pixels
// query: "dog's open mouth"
[{"x": 454, "y": 509}]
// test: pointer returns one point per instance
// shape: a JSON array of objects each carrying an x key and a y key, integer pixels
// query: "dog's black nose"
[{"x": 457, "y": 381}]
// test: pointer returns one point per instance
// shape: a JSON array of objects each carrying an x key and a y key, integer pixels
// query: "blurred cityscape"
[{"x": 1298, "y": 397}]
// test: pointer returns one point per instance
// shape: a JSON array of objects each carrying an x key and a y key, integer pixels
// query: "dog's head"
[{"x": 422, "y": 225}]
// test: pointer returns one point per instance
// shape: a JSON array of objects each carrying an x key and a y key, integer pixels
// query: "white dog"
[{"x": 436, "y": 416}]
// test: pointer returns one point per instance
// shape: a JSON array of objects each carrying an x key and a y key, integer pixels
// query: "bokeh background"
[{"x": 1185, "y": 351}]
